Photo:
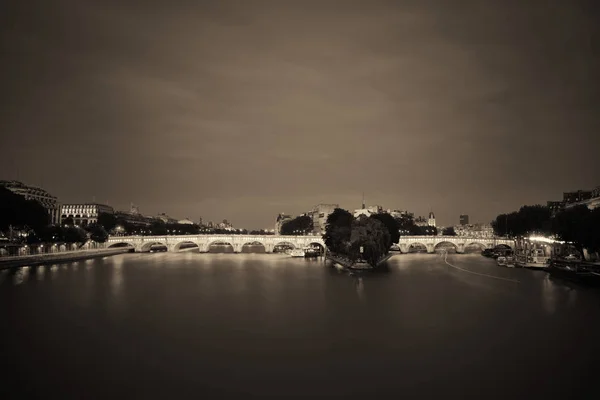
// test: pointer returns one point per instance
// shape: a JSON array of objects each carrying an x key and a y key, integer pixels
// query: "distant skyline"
[{"x": 242, "y": 110}]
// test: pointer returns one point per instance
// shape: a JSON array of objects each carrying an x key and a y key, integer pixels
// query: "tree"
[
  {"x": 372, "y": 236},
  {"x": 97, "y": 233},
  {"x": 407, "y": 226},
  {"x": 428, "y": 230},
  {"x": 107, "y": 221},
  {"x": 68, "y": 221},
  {"x": 75, "y": 234},
  {"x": 19, "y": 213},
  {"x": 529, "y": 219},
  {"x": 338, "y": 228},
  {"x": 390, "y": 224},
  {"x": 580, "y": 226},
  {"x": 52, "y": 234},
  {"x": 158, "y": 227},
  {"x": 299, "y": 225},
  {"x": 449, "y": 231}
]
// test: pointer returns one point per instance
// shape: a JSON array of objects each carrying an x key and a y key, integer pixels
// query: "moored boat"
[
  {"x": 311, "y": 252},
  {"x": 501, "y": 261},
  {"x": 297, "y": 253},
  {"x": 576, "y": 271}
]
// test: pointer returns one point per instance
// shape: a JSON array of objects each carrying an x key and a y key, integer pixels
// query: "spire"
[{"x": 363, "y": 203}]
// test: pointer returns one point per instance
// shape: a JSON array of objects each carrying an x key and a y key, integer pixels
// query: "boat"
[
  {"x": 533, "y": 252},
  {"x": 501, "y": 261},
  {"x": 311, "y": 252},
  {"x": 575, "y": 270},
  {"x": 297, "y": 253},
  {"x": 510, "y": 261}
]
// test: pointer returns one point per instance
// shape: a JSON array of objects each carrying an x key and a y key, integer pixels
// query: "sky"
[{"x": 241, "y": 110}]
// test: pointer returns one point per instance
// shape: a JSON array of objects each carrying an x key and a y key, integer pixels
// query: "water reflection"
[
  {"x": 360, "y": 287},
  {"x": 116, "y": 281}
]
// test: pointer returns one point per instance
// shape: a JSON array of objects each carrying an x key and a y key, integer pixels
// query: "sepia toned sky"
[{"x": 240, "y": 110}]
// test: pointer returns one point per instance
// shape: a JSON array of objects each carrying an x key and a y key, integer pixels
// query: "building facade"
[
  {"x": 49, "y": 202},
  {"x": 464, "y": 219},
  {"x": 589, "y": 198},
  {"x": 166, "y": 219},
  {"x": 281, "y": 219},
  {"x": 319, "y": 216},
  {"x": 84, "y": 214},
  {"x": 421, "y": 221},
  {"x": 480, "y": 231}
]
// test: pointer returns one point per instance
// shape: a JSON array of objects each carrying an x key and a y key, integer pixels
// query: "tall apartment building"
[{"x": 49, "y": 202}]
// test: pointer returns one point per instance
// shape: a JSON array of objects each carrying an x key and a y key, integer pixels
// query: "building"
[
  {"x": 225, "y": 225},
  {"x": 49, "y": 202},
  {"x": 367, "y": 211},
  {"x": 480, "y": 231},
  {"x": 133, "y": 219},
  {"x": 589, "y": 198},
  {"x": 185, "y": 221},
  {"x": 281, "y": 219},
  {"x": 577, "y": 196},
  {"x": 166, "y": 219},
  {"x": 85, "y": 213},
  {"x": 431, "y": 220},
  {"x": 319, "y": 216},
  {"x": 133, "y": 209},
  {"x": 400, "y": 214},
  {"x": 464, "y": 219},
  {"x": 421, "y": 221}
]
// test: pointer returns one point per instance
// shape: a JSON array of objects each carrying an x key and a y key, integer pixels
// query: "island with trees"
[{"x": 360, "y": 243}]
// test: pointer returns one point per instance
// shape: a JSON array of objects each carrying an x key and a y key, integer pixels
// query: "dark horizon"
[{"x": 240, "y": 111}]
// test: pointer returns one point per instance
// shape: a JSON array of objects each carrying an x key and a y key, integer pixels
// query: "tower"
[{"x": 431, "y": 221}]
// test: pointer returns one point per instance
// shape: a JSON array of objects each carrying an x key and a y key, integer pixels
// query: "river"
[{"x": 188, "y": 325}]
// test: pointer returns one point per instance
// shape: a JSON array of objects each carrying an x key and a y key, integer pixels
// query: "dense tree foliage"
[
  {"x": 407, "y": 226},
  {"x": 577, "y": 225},
  {"x": 391, "y": 224},
  {"x": 338, "y": 228},
  {"x": 298, "y": 226},
  {"x": 580, "y": 226},
  {"x": 108, "y": 221},
  {"x": 97, "y": 233},
  {"x": 21, "y": 214},
  {"x": 69, "y": 221},
  {"x": 428, "y": 231},
  {"x": 370, "y": 235},
  {"x": 346, "y": 236},
  {"x": 527, "y": 220},
  {"x": 449, "y": 231}
]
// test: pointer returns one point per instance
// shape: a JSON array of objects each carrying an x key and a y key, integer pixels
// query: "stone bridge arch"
[
  {"x": 455, "y": 246},
  {"x": 186, "y": 243},
  {"x": 110, "y": 245},
  {"x": 247, "y": 244},
  {"x": 224, "y": 241},
  {"x": 147, "y": 246}
]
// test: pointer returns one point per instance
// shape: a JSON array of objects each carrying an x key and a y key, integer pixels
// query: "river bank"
[
  {"x": 349, "y": 264},
  {"x": 51, "y": 258}
]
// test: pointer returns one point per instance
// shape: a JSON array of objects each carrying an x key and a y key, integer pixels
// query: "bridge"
[
  {"x": 460, "y": 243},
  {"x": 203, "y": 242},
  {"x": 174, "y": 243}
]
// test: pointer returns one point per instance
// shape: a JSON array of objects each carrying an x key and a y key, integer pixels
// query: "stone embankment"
[{"x": 52, "y": 258}]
